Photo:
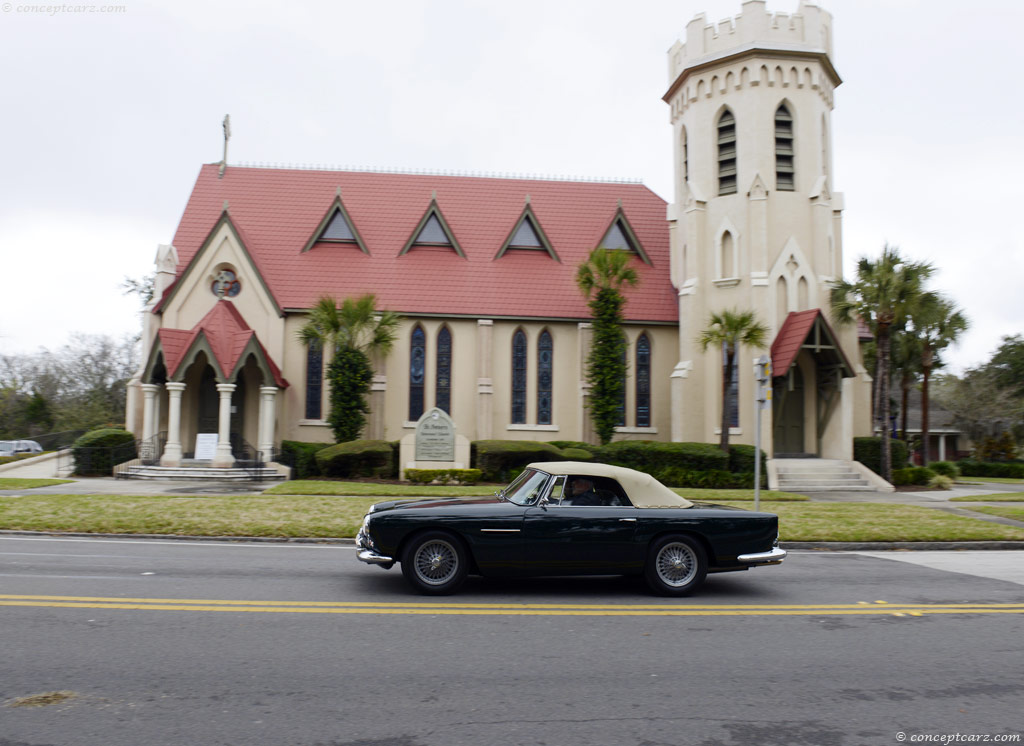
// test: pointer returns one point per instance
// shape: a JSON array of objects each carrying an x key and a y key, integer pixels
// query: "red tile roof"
[
  {"x": 276, "y": 211},
  {"x": 225, "y": 332}
]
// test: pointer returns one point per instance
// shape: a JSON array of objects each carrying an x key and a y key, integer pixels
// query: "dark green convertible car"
[{"x": 568, "y": 518}]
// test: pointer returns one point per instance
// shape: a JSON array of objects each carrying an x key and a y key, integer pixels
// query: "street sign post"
[{"x": 763, "y": 395}]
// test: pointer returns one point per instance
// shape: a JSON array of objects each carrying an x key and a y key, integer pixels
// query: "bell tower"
[{"x": 755, "y": 223}]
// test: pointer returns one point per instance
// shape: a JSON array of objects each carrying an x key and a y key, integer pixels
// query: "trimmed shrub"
[
  {"x": 444, "y": 476},
  {"x": 496, "y": 459},
  {"x": 563, "y": 444},
  {"x": 1005, "y": 470},
  {"x": 577, "y": 454},
  {"x": 356, "y": 458},
  {"x": 941, "y": 482},
  {"x": 675, "y": 476},
  {"x": 301, "y": 457},
  {"x": 912, "y": 475},
  {"x": 945, "y": 469},
  {"x": 741, "y": 459},
  {"x": 868, "y": 451},
  {"x": 654, "y": 457},
  {"x": 98, "y": 451}
]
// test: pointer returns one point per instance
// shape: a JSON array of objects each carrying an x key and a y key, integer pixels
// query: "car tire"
[
  {"x": 676, "y": 565},
  {"x": 435, "y": 563}
]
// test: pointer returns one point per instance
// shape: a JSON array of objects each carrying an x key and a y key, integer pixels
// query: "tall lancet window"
[
  {"x": 727, "y": 153},
  {"x": 545, "y": 363},
  {"x": 417, "y": 372},
  {"x": 785, "y": 171},
  {"x": 519, "y": 378},
  {"x": 444, "y": 370},
  {"x": 643, "y": 381}
]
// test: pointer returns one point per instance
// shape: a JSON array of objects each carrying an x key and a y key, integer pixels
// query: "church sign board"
[{"x": 435, "y": 436}]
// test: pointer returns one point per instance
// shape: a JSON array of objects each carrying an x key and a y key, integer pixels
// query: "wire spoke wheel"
[
  {"x": 436, "y": 562},
  {"x": 676, "y": 564}
]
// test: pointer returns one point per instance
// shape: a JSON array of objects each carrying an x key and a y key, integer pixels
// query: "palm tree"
[
  {"x": 906, "y": 364},
  {"x": 605, "y": 273},
  {"x": 355, "y": 330},
  {"x": 882, "y": 296},
  {"x": 938, "y": 323},
  {"x": 728, "y": 330}
]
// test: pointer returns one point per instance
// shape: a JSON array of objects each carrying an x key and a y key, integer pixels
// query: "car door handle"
[{"x": 627, "y": 520}]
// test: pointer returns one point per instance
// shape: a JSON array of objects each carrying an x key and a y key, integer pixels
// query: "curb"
[{"x": 820, "y": 546}]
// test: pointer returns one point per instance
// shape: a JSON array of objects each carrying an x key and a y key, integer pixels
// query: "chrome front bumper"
[
  {"x": 371, "y": 557},
  {"x": 772, "y": 557}
]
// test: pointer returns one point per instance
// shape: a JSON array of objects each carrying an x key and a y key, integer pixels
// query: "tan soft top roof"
[{"x": 644, "y": 491}]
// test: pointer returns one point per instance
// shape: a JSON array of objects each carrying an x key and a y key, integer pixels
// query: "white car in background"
[{"x": 17, "y": 447}]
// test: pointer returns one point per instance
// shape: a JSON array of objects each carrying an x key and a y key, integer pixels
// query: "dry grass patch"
[
  {"x": 378, "y": 489},
  {"x": 999, "y": 497},
  {"x": 42, "y": 700}
]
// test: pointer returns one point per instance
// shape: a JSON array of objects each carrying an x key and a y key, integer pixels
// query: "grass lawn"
[
  {"x": 26, "y": 484},
  {"x": 997, "y": 480},
  {"x": 332, "y": 516},
  {"x": 1006, "y": 511},
  {"x": 999, "y": 497},
  {"x": 376, "y": 489}
]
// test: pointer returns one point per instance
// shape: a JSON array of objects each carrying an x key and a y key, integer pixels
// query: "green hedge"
[
  {"x": 563, "y": 444},
  {"x": 912, "y": 475},
  {"x": 98, "y": 451},
  {"x": 654, "y": 457},
  {"x": 357, "y": 458},
  {"x": 497, "y": 459},
  {"x": 868, "y": 451},
  {"x": 1003, "y": 469},
  {"x": 301, "y": 456}
]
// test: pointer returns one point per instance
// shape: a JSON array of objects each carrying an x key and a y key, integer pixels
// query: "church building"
[{"x": 482, "y": 271}]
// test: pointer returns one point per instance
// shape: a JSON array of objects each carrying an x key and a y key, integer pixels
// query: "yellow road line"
[{"x": 497, "y": 609}]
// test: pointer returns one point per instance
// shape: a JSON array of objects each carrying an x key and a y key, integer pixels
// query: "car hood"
[{"x": 443, "y": 502}]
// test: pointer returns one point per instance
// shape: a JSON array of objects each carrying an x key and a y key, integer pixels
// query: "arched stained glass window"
[
  {"x": 417, "y": 372},
  {"x": 519, "y": 378},
  {"x": 314, "y": 381},
  {"x": 444, "y": 370},
  {"x": 545, "y": 361},
  {"x": 643, "y": 381}
]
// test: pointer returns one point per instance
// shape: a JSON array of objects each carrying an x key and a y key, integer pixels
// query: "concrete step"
[
  {"x": 201, "y": 473},
  {"x": 803, "y": 487},
  {"x": 809, "y": 475}
]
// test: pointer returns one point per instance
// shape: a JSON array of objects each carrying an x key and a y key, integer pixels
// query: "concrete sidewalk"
[{"x": 111, "y": 486}]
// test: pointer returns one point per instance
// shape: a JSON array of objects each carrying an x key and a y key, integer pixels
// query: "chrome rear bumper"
[{"x": 772, "y": 557}]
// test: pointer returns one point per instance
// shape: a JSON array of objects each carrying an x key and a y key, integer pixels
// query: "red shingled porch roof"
[
  {"x": 225, "y": 332},
  {"x": 277, "y": 211},
  {"x": 798, "y": 326}
]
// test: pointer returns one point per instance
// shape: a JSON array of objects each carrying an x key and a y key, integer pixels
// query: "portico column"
[
  {"x": 223, "y": 458},
  {"x": 172, "y": 452},
  {"x": 942, "y": 448},
  {"x": 265, "y": 439},
  {"x": 149, "y": 392}
]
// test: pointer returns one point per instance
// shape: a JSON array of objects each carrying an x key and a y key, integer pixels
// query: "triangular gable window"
[
  {"x": 620, "y": 237},
  {"x": 525, "y": 237},
  {"x": 433, "y": 230},
  {"x": 528, "y": 235},
  {"x": 336, "y": 227}
]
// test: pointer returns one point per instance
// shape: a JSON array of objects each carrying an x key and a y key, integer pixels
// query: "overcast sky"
[{"x": 107, "y": 118}]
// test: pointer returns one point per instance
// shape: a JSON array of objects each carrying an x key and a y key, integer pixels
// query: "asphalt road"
[{"x": 151, "y": 646}]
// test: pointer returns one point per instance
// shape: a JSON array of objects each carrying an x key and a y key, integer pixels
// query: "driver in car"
[{"x": 581, "y": 492}]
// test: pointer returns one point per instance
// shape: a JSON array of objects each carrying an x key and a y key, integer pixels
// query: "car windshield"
[{"x": 527, "y": 488}]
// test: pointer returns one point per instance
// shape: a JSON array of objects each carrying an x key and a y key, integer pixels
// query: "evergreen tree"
[
  {"x": 603, "y": 276},
  {"x": 355, "y": 330}
]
